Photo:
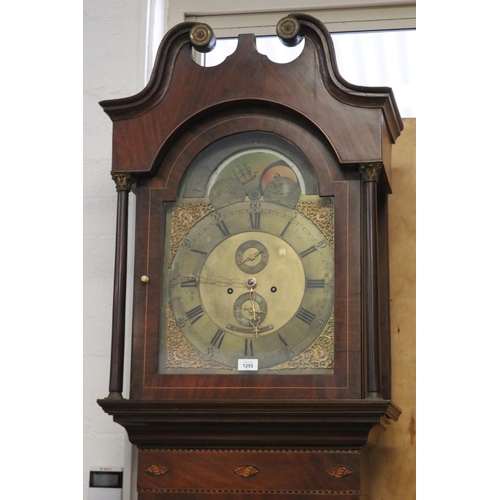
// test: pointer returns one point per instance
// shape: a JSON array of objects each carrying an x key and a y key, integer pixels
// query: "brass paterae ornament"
[
  {"x": 202, "y": 37},
  {"x": 288, "y": 29}
]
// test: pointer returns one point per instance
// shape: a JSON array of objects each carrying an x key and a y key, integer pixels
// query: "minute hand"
[{"x": 216, "y": 280}]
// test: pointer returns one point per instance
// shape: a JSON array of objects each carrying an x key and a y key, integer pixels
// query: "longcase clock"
[{"x": 261, "y": 340}]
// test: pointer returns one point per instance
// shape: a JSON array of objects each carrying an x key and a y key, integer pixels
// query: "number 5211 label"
[{"x": 248, "y": 365}]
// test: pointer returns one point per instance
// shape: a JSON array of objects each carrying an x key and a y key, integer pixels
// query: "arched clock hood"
[{"x": 360, "y": 122}]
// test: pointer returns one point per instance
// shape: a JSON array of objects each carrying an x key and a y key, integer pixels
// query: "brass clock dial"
[
  {"x": 252, "y": 280},
  {"x": 248, "y": 274}
]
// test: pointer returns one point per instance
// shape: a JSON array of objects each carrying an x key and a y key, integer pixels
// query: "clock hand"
[
  {"x": 216, "y": 280},
  {"x": 252, "y": 256},
  {"x": 254, "y": 321}
]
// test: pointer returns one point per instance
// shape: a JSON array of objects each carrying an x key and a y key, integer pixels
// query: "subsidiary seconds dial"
[{"x": 252, "y": 280}]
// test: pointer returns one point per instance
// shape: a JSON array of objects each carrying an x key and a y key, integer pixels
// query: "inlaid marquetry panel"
[{"x": 281, "y": 472}]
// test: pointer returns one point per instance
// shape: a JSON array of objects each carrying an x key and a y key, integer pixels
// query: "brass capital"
[
  {"x": 123, "y": 180},
  {"x": 370, "y": 172}
]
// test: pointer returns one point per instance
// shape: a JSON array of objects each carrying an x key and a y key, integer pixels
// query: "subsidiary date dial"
[{"x": 252, "y": 282}]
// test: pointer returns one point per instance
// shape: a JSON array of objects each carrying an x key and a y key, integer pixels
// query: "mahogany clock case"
[{"x": 344, "y": 132}]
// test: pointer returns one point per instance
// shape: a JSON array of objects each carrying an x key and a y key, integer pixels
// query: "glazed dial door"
[{"x": 249, "y": 268}]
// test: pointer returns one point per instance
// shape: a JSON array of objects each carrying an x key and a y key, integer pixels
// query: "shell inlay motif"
[
  {"x": 339, "y": 471},
  {"x": 156, "y": 470},
  {"x": 246, "y": 471}
]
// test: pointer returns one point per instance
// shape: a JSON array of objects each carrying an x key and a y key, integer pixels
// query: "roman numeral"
[
  {"x": 308, "y": 251},
  {"x": 218, "y": 338},
  {"x": 248, "y": 347},
  {"x": 316, "y": 283},
  {"x": 198, "y": 251},
  {"x": 255, "y": 220},
  {"x": 223, "y": 229},
  {"x": 305, "y": 315},
  {"x": 282, "y": 340},
  {"x": 192, "y": 282},
  {"x": 286, "y": 227},
  {"x": 195, "y": 314}
]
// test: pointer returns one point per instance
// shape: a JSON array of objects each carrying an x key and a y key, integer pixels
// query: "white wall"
[{"x": 114, "y": 60}]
